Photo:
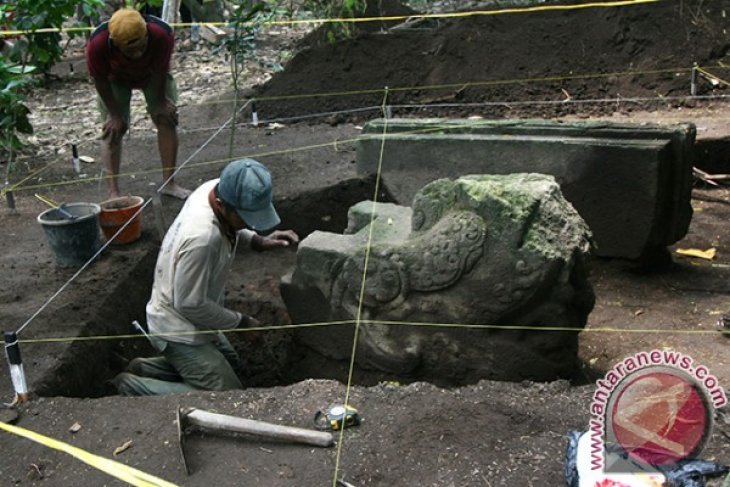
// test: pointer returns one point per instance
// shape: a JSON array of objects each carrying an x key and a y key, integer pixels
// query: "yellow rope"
[
  {"x": 17, "y": 186},
  {"x": 119, "y": 470},
  {"x": 354, "y": 20},
  {"x": 184, "y": 333},
  {"x": 467, "y": 84},
  {"x": 712, "y": 76},
  {"x": 473, "y": 326},
  {"x": 363, "y": 282}
]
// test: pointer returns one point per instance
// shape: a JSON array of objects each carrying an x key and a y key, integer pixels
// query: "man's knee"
[
  {"x": 136, "y": 366},
  {"x": 221, "y": 379},
  {"x": 125, "y": 384},
  {"x": 113, "y": 141},
  {"x": 164, "y": 122}
]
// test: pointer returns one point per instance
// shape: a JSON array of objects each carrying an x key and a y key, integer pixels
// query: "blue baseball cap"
[{"x": 245, "y": 185}]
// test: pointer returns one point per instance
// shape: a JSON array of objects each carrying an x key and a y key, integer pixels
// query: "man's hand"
[
  {"x": 165, "y": 113},
  {"x": 114, "y": 128},
  {"x": 279, "y": 238},
  {"x": 251, "y": 322}
]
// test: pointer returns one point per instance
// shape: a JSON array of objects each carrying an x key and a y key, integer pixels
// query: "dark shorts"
[{"x": 123, "y": 94}]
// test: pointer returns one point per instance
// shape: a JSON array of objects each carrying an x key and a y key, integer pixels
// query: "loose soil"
[
  {"x": 489, "y": 433},
  {"x": 512, "y": 65}
]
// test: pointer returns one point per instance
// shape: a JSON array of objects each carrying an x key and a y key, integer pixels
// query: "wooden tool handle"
[{"x": 222, "y": 422}]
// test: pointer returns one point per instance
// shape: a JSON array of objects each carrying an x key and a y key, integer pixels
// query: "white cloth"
[{"x": 190, "y": 275}]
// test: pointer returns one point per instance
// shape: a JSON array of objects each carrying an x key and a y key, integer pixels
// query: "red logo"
[{"x": 659, "y": 416}]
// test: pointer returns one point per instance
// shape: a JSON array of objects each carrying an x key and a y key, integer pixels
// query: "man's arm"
[
  {"x": 115, "y": 126},
  {"x": 162, "y": 44},
  {"x": 97, "y": 61},
  {"x": 166, "y": 110}
]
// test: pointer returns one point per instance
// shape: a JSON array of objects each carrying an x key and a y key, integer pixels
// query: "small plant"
[
  {"x": 41, "y": 49},
  {"x": 336, "y": 9},
  {"x": 13, "y": 111},
  {"x": 241, "y": 44}
]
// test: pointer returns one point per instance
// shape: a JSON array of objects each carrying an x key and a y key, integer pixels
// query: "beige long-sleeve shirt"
[{"x": 190, "y": 275}]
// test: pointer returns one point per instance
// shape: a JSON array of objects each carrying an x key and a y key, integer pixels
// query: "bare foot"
[{"x": 176, "y": 191}]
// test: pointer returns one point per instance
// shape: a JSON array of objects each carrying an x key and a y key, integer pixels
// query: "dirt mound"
[
  {"x": 584, "y": 53},
  {"x": 381, "y": 8}
]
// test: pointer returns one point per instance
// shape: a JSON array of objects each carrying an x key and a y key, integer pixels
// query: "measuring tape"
[{"x": 336, "y": 418}]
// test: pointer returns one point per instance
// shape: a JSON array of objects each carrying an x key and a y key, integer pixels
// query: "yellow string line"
[
  {"x": 475, "y": 84},
  {"x": 17, "y": 187},
  {"x": 361, "y": 297},
  {"x": 445, "y": 15},
  {"x": 182, "y": 333},
  {"x": 712, "y": 76},
  {"x": 547, "y": 328},
  {"x": 474, "y": 326},
  {"x": 188, "y": 166},
  {"x": 95, "y": 179},
  {"x": 459, "y": 85},
  {"x": 435, "y": 128},
  {"x": 119, "y": 470},
  {"x": 29, "y": 176},
  {"x": 465, "y": 84},
  {"x": 355, "y": 20}
]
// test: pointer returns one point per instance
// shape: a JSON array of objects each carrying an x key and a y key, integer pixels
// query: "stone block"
[
  {"x": 631, "y": 183},
  {"x": 457, "y": 288}
]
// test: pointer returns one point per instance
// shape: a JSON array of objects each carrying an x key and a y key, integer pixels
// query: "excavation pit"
[
  {"x": 280, "y": 357},
  {"x": 81, "y": 367}
]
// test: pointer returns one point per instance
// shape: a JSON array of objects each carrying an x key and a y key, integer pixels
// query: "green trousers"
[{"x": 182, "y": 368}]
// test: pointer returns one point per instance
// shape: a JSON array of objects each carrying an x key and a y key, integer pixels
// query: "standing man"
[
  {"x": 133, "y": 52},
  {"x": 191, "y": 270}
]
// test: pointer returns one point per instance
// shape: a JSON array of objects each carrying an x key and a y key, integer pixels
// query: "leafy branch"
[{"x": 241, "y": 44}]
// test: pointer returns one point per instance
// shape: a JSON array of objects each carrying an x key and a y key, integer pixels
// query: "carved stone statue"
[{"x": 465, "y": 285}]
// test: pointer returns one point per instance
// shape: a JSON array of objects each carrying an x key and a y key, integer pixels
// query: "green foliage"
[
  {"x": 41, "y": 49},
  {"x": 13, "y": 111},
  {"x": 422, "y": 5},
  {"x": 141, "y": 4},
  {"x": 246, "y": 23},
  {"x": 241, "y": 44},
  {"x": 30, "y": 51},
  {"x": 336, "y": 9}
]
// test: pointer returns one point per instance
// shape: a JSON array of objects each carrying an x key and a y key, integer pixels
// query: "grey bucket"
[{"x": 74, "y": 239}]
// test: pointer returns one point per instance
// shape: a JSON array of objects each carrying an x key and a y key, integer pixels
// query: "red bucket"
[{"x": 118, "y": 211}]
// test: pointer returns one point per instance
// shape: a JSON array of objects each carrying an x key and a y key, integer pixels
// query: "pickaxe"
[{"x": 232, "y": 424}]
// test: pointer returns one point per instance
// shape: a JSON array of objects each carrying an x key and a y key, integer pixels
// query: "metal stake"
[
  {"x": 254, "y": 114},
  {"x": 75, "y": 159},
  {"x": 10, "y": 199},
  {"x": 17, "y": 375}
]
